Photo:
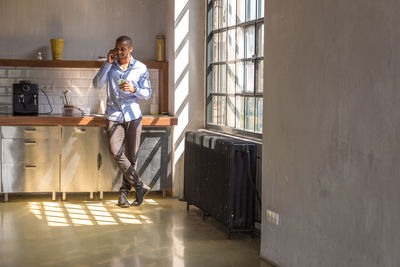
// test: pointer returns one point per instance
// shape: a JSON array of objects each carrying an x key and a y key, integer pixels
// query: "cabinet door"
[
  {"x": 30, "y": 132},
  {"x": 30, "y": 151},
  {"x": 153, "y": 164},
  {"x": 79, "y": 159},
  {"x": 110, "y": 177},
  {"x": 38, "y": 177}
]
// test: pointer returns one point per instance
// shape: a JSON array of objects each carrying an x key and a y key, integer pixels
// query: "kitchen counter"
[{"x": 87, "y": 120}]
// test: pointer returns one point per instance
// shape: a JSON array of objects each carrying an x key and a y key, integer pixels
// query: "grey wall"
[
  {"x": 89, "y": 27},
  {"x": 331, "y": 147}
]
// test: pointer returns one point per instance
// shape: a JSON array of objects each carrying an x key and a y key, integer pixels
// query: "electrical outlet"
[{"x": 273, "y": 217}]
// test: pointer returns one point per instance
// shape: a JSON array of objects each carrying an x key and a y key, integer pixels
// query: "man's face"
[{"x": 123, "y": 49}]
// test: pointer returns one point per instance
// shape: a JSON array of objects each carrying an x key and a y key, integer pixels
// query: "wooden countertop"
[{"x": 89, "y": 120}]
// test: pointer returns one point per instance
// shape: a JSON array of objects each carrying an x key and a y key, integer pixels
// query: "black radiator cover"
[{"x": 217, "y": 180}]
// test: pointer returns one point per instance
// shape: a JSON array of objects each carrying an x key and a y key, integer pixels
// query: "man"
[{"x": 127, "y": 81}]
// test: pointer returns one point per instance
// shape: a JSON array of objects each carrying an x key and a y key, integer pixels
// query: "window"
[{"x": 235, "y": 62}]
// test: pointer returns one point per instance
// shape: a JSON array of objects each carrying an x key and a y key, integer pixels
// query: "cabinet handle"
[
  {"x": 30, "y": 142},
  {"x": 81, "y": 130},
  {"x": 29, "y": 130},
  {"x": 30, "y": 166}
]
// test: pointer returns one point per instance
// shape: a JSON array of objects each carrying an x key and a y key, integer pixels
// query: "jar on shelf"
[{"x": 160, "y": 48}]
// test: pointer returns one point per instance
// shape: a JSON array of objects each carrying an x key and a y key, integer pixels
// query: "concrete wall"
[
  {"x": 185, "y": 50},
  {"x": 89, "y": 27},
  {"x": 331, "y": 147}
]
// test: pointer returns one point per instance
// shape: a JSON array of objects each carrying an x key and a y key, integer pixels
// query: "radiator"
[{"x": 219, "y": 179}]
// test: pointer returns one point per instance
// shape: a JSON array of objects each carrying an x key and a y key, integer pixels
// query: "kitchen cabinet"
[
  {"x": 153, "y": 164},
  {"x": 80, "y": 146},
  {"x": 30, "y": 159},
  {"x": 77, "y": 159}
]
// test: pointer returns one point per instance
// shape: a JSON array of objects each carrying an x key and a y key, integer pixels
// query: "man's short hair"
[{"x": 124, "y": 38}]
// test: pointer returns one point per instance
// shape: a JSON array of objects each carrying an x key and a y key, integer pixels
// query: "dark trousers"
[{"x": 124, "y": 142}]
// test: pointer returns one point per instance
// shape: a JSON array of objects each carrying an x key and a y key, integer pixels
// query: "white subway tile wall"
[{"x": 54, "y": 81}]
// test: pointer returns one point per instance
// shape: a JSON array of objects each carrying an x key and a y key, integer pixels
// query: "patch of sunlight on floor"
[
  {"x": 126, "y": 215},
  {"x": 78, "y": 216},
  {"x": 100, "y": 213},
  {"x": 151, "y": 201},
  {"x": 81, "y": 222},
  {"x": 54, "y": 213},
  {"x": 49, "y": 208},
  {"x": 52, "y": 204},
  {"x": 57, "y": 224},
  {"x": 56, "y": 219},
  {"x": 73, "y": 206},
  {"x": 107, "y": 223},
  {"x": 88, "y": 213},
  {"x": 130, "y": 221},
  {"x": 77, "y": 211},
  {"x": 96, "y": 208},
  {"x": 36, "y": 212},
  {"x": 104, "y": 218}
]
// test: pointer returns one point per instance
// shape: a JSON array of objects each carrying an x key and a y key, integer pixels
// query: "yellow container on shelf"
[
  {"x": 160, "y": 48},
  {"x": 57, "y": 46}
]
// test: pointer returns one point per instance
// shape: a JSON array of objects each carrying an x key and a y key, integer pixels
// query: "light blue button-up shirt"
[{"x": 122, "y": 105}]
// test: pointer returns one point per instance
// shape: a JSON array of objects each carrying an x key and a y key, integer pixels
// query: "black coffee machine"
[{"x": 25, "y": 98}]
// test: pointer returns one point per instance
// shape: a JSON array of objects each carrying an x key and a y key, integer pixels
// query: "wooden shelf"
[
  {"x": 35, "y": 63},
  {"x": 67, "y": 63}
]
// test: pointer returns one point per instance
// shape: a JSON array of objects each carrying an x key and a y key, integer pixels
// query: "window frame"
[{"x": 255, "y": 59}]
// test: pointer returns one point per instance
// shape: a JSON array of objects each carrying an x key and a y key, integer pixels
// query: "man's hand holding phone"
[{"x": 112, "y": 55}]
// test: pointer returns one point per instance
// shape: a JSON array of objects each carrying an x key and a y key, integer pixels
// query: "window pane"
[
  {"x": 239, "y": 43},
  {"x": 210, "y": 51},
  {"x": 240, "y": 112},
  {"x": 216, "y": 15},
  {"x": 259, "y": 116},
  {"x": 222, "y": 110},
  {"x": 231, "y": 12},
  {"x": 249, "y": 73},
  {"x": 231, "y": 44},
  {"x": 260, "y": 40},
  {"x": 222, "y": 47},
  {"x": 239, "y": 77},
  {"x": 216, "y": 47},
  {"x": 249, "y": 113},
  {"x": 209, "y": 20},
  {"x": 260, "y": 76},
  {"x": 223, "y": 14},
  {"x": 222, "y": 79},
  {"x": 230, "y": 74},
  {"x": 260, "y": 8},
  {"x": 215, "y": 76},
  {"x": 210, "y": 80},
  {"x": 240, "y": 10},
  {"x": 250, "y": 10},
  {"x": 250, "y": 41},
  {"x": 231, "y": 111},
  {"x": 212, "y": 110},
  {"x": 209, "y": 108}
]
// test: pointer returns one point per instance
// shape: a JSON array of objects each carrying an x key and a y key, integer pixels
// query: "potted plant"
[{"x": 68, "y": 107}]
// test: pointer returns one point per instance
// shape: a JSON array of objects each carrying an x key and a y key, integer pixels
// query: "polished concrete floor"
[{"x": 35, "y": 231}]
